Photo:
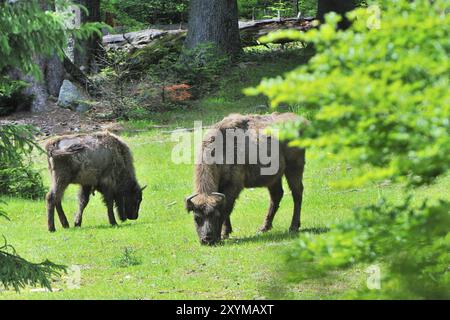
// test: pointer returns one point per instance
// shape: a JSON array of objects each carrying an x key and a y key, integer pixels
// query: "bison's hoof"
[
  {"x": 265, "y": 228},
  {"x": 51, "y": 229},
  {"x": 294, "y": 229}
]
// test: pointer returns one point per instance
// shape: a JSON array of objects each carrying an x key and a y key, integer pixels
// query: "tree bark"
[
  {"x": 339, "y": 6},
  {"x": 52, "y": 76},
  {"x": 214, "y": 21},
  {"x": 52, "y": 73},
  {"x": 86, "y": 54}
]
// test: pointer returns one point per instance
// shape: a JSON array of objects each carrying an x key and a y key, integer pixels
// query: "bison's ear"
[
  {"x": 188, "y": 202},
  {"x": 189, "y": 205}
]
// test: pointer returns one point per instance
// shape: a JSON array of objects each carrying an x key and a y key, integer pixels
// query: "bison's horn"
[
  {"x": 143, "y": 188},
  {"x": 188, "y": 199},
  {"x": 219, "y": 194}
]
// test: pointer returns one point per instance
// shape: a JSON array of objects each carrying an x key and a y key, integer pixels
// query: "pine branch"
[{"x": 17, "y": 273}]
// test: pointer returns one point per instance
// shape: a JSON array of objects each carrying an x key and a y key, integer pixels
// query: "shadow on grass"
[
  {"x": 275, "y": 236},
  {"x": 106, "y": 226}
]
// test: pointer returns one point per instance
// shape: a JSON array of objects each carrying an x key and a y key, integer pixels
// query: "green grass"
[{"x": 159, "y": 256}]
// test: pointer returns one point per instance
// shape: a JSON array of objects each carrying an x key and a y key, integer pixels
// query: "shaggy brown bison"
[
  {"x": 219, "y": 182},
  {"x": 97, "y": 162}
]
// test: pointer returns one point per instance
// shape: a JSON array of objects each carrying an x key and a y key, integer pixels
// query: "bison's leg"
[
  {"x": 294, "y": 177},
  {"x": 226, "y": 228},
  {"x": 231, "y": 194},
  {"x": 50, "y": 198},
  {"x": 109, "y": 201},
  {"x": 61, "y": 215},
  {"x": 276, "y": 194},
  {"x": 83, "y": 198},
  {"x": 54, "y": 198}
]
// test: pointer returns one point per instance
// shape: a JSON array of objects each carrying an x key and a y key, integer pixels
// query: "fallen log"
[
  {"x": 250, "y": 32},
  {"x": 137, "y": 39}
]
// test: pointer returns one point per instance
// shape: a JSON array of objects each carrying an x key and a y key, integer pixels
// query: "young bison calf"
[
  {"x": 219, "y": 182},
  {"x": 97, "y": 162}
]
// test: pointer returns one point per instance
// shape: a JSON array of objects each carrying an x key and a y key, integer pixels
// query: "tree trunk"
[
  {"x": 52, "y": 76},
  {"x": 88, "y": 50},
  {"x": 52, "y": 73},
  {"x": 339, "y": 6},
  {"x": 214, "y": 21},
  {"x": 296, "y": 6}
]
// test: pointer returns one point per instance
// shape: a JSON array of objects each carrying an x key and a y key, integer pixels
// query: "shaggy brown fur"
[
  {"x": 211, "y": 210},
  {"x": 97, "y": 162}
]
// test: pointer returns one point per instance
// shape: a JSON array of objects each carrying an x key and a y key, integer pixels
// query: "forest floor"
[
  {"x": 56, "y": 120},
  {"x": 159, "y": 256}
]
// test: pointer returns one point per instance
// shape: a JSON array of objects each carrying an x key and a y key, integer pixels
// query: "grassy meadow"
[{"x": 159, "y": 256}]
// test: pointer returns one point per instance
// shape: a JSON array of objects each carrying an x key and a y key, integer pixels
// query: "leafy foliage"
[
  {"x": 159, "y": 77},
  {"x": 412, "y": 242},
  {"x": 137, "y": 14},
  {"x": 381, "y": 95},
  {"x": 15, "y": 142},
  {"x": 19, "y": 37},
  {"x": 260, "y": 9},
  {"x": 202, "y": 63},
  {"x": 380, "y": 101},
  {"x": 28, "y": 32},
  {"x": 11, "y": 96},
  {"x": 127, "y": 258},
  {"x": 21, "y": 181},
  {"x": 17, "y": 177},
  {"x": 112, "y": 80}
]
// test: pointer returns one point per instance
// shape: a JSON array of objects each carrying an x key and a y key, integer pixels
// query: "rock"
[
  {"x": 68, "y": 94},
  {"x": 73, "y": 97},
  {"x": 83, "y": 106},
  {"x": 34, "y": 96}
]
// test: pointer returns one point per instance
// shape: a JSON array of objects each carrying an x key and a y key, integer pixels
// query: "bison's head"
[
  {"x": 129, "y": 201},
  {"x": 208, "y": 215}
]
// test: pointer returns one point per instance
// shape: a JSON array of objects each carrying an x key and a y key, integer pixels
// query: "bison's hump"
[
  {"x": 254, "y": 121},
  {"x": 68, "y": 146},
  {"x": 72, "y": 149}
]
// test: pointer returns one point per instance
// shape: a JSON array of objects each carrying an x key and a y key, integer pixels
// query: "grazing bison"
[
  {"x": 218, "y": 183},
  {"x": 97, "y": 162}
]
